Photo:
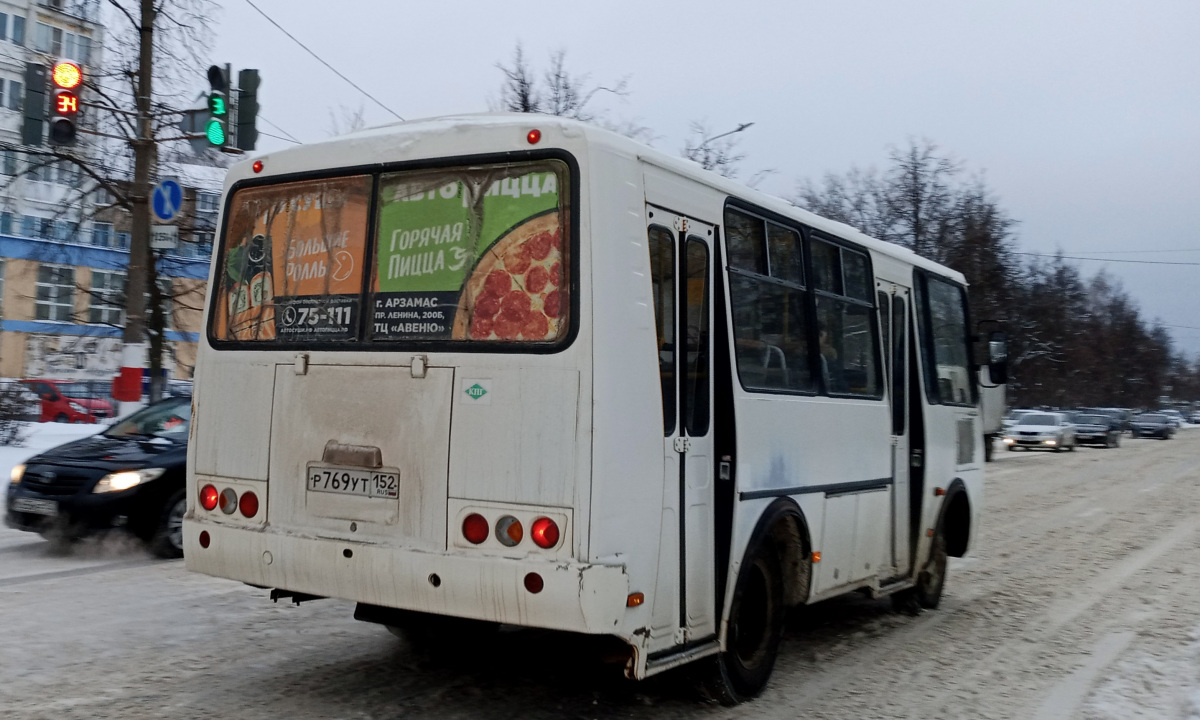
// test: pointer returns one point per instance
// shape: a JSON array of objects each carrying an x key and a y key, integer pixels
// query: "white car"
[
  {"x": 1174, "y": 416},
  {"x": 1045, "y": 430}
]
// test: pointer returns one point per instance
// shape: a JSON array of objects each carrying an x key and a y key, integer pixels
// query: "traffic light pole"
[{"x": 133, "y": 353}]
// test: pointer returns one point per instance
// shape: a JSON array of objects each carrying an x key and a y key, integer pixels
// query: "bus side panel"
[
  {"x": 627, "y": 437},
  {"x": 806, "y": 442}
]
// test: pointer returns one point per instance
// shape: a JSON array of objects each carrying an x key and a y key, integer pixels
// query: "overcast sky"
[{"x": 1083, "y": 117}]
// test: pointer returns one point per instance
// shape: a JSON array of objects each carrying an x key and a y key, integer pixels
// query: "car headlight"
[
  {"x": 17, "y": 473},
  {"x": 76, "y": 406},
  {"x": 125, "y": 479}
]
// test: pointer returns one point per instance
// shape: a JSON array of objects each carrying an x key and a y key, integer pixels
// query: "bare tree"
[
  {"x": 714, "y": 152},
  {"x": 155, "y": 51},
  {"x": 346, "y": 121}
]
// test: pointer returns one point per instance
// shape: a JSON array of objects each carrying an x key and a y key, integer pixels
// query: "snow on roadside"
[{"x": 37, "y": 438}]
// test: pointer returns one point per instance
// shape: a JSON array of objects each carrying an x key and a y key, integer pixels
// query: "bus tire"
[{"x": 755, "y": 630}]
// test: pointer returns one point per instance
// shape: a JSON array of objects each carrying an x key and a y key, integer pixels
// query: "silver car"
[{"x": 1044, "y": 430}]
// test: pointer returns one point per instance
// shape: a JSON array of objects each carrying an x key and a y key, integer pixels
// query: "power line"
[
  {"x": 279, "y": 137},
  {"x": 1079, "y": 257},
  {"x": 322, "y": 61},
  {"x": 285, "y": 132},
  {"x": 1138, "y": 252}
]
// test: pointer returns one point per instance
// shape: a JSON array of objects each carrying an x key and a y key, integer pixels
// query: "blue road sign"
[{"x": 167, "y": 199}]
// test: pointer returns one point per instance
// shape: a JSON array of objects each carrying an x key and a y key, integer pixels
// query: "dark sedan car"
[
  {"x": 130, "y": 475},
  {"x": 1153, "y": 425},
  {"x": 1097, "y": 430}
]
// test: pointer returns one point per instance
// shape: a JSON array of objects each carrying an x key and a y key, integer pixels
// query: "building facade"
[{"x": 64, "y": 241}]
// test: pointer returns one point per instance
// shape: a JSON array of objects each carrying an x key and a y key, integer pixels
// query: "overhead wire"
[
  {"x": 290, "y": 136},
  {"x": 322, "y": 60},
  {"x": 1113, "y": 260}
]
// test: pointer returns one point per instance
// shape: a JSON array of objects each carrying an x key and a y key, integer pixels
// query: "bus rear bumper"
[{"x": 577, "y": 597}]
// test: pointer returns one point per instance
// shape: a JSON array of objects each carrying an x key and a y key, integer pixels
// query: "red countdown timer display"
[{"x": 66, "y": 103}]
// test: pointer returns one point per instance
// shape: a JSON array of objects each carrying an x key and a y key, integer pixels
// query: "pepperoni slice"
[
  {"x": 536, "y": 279},
  {"x": 551, "y": 304},
  {"x": 506, "y": 328},
  {"x": 556, "y": 274},
  {"x": 515, "y": 305},
  {"x": 536, "y": 327},
  {"x": 517, "y": 262},
  {"x": 487, "y": 305},
  {"x": 540, "y": 244},
  {"x": 481, "y": 328},
  {"x": 498, "y": 282}
]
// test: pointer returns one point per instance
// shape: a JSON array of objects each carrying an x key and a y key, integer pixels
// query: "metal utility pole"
[{"x": 133, "y": 354}]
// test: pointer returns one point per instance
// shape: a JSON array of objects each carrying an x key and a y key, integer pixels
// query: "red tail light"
[
  {"x": 248, "y": 504},
  {"x": 475, "y": 528},
  {"x": 208, "y": 497},
  {"x": 204, "y": 539},
  {"x": 544, "y": 532},
  {"x": 534, "y": 583}
]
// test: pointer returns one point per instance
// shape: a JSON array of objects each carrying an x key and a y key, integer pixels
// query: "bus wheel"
[{"x": 754, "y": 632}]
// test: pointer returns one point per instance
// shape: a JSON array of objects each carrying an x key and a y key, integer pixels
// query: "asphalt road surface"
[{"x": 1081, "y": 599}]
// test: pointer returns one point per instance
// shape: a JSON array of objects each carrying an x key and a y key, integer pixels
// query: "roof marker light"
[
  {"x": 534, "y": 136},
  {"x": 257, "y": 166}
]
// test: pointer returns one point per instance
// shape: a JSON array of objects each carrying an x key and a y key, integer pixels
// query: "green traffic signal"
[
  {"x": 215, "y": 132},
  {"x": 216, "y": 104}
]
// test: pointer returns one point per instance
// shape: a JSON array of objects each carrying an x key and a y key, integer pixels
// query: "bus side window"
[
  {"x": 768, "y": 304},
  {"x": 662, "y": 283},
  {"x": 947, "y": 331},
  {"x": 849, "y": 345}
]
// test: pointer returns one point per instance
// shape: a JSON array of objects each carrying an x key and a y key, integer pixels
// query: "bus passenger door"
[
  {"x": 894, "y": 320},
  {"x": 681, "y": 272}
]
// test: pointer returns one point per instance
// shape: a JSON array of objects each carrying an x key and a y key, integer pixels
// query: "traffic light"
[
  {"x": 35, "y": 104},
  {"x": 216, "y": 130},
  {"x": 66, "y": 79},
  {"x": 247, "y": 109}
]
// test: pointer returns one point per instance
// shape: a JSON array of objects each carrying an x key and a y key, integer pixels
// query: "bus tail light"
[
  {"x": 208, "y": 497},
  {"x": 475, "y": 528},
  {"x": 509, "y": 531},
  {"x": 534, "y": 583},
  {"x": 544, "y": 532},
  {"x": 229, "y": 501},
  {"x": 248, "y": 504},
  {"x": 205, "y": 540}
]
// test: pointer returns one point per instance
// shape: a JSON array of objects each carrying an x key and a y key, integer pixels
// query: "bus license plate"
[
  {"x": 383, "y": 483},
  {"x": 36, "y": 506}
]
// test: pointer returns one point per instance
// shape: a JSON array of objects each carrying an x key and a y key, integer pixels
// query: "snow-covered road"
[{"x": 1081, "y": 600}]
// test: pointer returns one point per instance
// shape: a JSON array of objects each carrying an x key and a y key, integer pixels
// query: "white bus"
[{"x": 442, "y": 377}]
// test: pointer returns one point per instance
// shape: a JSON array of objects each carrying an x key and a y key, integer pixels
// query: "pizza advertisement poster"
[
  {"x": 292, "y": 266},
  {"x": 472, "y": 254}
]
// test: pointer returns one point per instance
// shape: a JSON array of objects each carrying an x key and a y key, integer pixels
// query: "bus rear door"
[{"x": 681, "y": 253}]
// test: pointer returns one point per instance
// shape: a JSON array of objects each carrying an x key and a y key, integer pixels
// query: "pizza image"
[{"x": 516, "y": 290}]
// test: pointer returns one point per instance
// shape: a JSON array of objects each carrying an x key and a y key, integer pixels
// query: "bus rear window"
[
  {"x": 459, "y": 254},
  {"x": 472, "y": 254},
  {"x": 291, "y": 267}
]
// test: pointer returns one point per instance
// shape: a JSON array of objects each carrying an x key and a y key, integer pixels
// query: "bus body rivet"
[{"x": 268, "y": 558}]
